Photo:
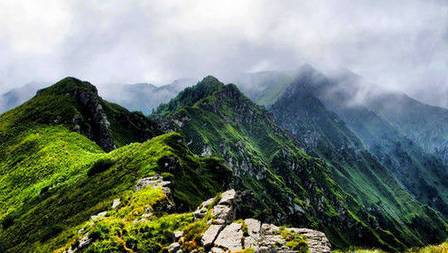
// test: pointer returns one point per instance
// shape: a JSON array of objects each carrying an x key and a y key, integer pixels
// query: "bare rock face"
[
  {"x": 224, "y": 234},
  {"x": 211, "y": 234},
  {"x": 230, "y": 237},
  {"x": 94, "y": 122},
  {"x": 253, "y": 236},
  {"x": 157, "y": 181},
  {"x": 317, "y": 240},
  {"x": 154, "y": 181}
]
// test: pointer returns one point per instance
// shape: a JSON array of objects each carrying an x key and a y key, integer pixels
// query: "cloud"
[{"x": 399, "y": 44}]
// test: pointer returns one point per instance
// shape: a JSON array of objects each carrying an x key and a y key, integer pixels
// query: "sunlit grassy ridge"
[
  {"x": 57, "y": 193},
  {"x": 53, "y": 179}
]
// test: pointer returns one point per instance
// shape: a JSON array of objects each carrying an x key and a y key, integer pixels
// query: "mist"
[{"x": 393, "y": 44}]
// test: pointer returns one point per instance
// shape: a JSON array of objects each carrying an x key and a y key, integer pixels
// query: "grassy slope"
[
  {"x": 441, "y": 248},
  {"x": 60, "y": 104},
  {"x": 422, "y": 123},
  {"x": 265, "y": 161},
  {"x": 47, "y": 189},
  {"x": 355, "y": 169},
  {"x": 422, "y": 174}
]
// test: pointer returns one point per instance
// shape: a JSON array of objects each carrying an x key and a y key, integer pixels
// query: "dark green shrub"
[
  {"x": 51, "y": 232},
  {"x": 7, "y": 222},
  {"x": 100, "y": 166}
]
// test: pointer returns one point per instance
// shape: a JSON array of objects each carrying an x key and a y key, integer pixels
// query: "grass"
[
  {"x": 294, "y": 240},
  {"x": 59, "y": 192},
  {"x": 218, "y": 119},
  {"x": 441, "y": 248}
]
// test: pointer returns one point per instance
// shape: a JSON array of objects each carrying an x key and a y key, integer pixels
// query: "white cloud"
[{"x": 403, "y": 44}]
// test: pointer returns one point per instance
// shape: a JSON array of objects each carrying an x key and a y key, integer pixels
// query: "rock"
[
  {"x": 270, "y": 236},
  {"x": 154, "y": 181},
  {"x": 223, "y": 214},
  {"x": 230, "y": 238},
  {"x": 210, "y": 235},
  {"x": 98, "y": 126},
  {"x": 317, "y": 241},
  {"x": 227, "y": 198},
  {"x": 253, "y": 230},
  {"x": 174, "y": 247},
  {"x": 82, "y": 243},
  {"x": 98, "y": 215},
  {"x": 202, "y": 210},
  {"x": 177, "y": 235},
  {"x": 115, "y": 203},
  {"x": 217, "y": 250},
  {"x": 225, "y": 235}
]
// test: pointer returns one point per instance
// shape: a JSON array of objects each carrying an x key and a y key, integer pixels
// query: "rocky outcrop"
[
  {"x": 226, "y": 234},
  {"x": 93, "y": 122}
]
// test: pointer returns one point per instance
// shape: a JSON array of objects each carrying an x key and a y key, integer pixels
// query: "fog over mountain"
[{"x": 395, "y": 44}]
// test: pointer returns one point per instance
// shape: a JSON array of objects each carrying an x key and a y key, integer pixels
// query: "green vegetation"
[
  {"x": 70, "y": 163},
  {"x": 359, "y": 251},
  {"x": 76, "y": 106},
  {"x": 356, "y": 170},
  {"x": 294, "y": 240},
  {"x": 43, "y": 207},
  {"x": 53, "y": 180},
  {"x": 123, "y": 231},
  {"x": 100, "y": 166},
  {"x": 442, "y": 248},
  {"x": 283, "y": 180}
]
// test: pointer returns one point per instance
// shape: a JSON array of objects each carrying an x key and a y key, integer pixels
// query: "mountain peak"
[
  {"x": 191, "y": 95},
  {"x": 210, "y": 79},
  {"x": 209, "y": 84},
  {"x": 70, "y": 85}
]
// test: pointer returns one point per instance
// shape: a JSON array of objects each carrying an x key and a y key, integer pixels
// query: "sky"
[{"x": 400, "y": 44}]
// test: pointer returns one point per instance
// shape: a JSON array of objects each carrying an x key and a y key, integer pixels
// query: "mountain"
[
  {"x": 77, "y": 106},
  {"x": 423, "y": 124},
  {"x": 421, "y": 173},
  {"x": 17, "y": 96},
  {"x": 57, "y": 183},
  {"x": 288, "y": 185},
  {"x": 145, "y": 97},
  {"x": 208, "y": 169},
  {"x": 355, "y": 169},
  {"x": 141, "y": 97}
]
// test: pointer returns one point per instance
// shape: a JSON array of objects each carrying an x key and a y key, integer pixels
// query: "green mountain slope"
[
  {"x": 77, "y": 106},
  {"x": 421, "y": 123},
  {"x": 287, "y": 184},
  {"x": 356, "y": 170},
  {"x": 422, "y": 174},
  {"x": 53, "y": 179}
]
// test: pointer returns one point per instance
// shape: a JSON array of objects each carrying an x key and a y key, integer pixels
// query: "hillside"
[
  {"x": 419, "y": 172},
  {"x": 77, "y": 106},
  {"x": 421, "y": 123},
  {"x": 422, "y": 174},
  {"x": 53, "y": 179},
  {"x": 287, "y": 184},
  {"x": 354, "y": 168}
]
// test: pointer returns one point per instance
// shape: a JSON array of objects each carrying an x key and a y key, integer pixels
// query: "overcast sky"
[{"x": 394, "y": 43}]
